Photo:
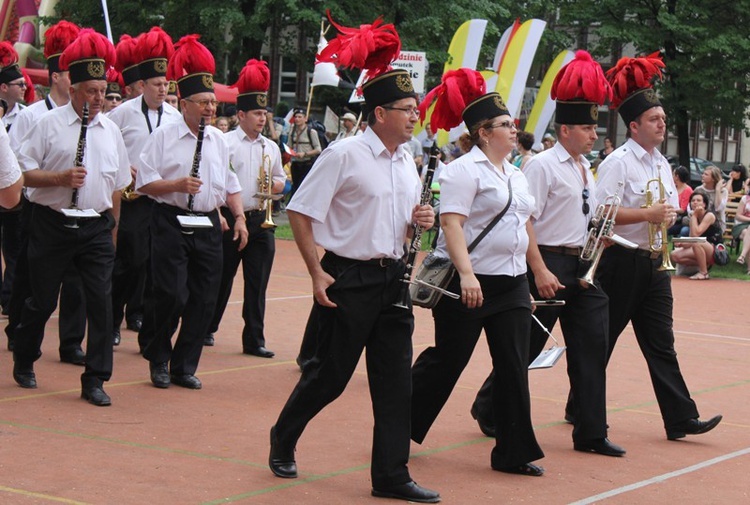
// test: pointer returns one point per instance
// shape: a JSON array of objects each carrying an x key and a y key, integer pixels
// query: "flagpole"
[
  {"x": 309, "y": 101},
  {"x": 106, "y": 21}
]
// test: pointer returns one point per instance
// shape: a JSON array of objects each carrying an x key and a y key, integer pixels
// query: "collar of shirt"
[
  {"x": 563, "y": 156},
  {"x": 378, "y": 148},
  {"x": 183, "y": 130},
  {"x": 245, "y": 137},
  {"x": 477, "y": 156},
  {"x": 71, "y": 116}
]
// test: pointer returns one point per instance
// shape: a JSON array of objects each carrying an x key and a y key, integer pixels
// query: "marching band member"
[
  {"x": 475, "y": 190},
  {"x": 127, "y": 64},
  {"x": 249, "y": 154},
  {"x": 50, "y": 157},
  {"x": 185, "y": 170},
  {"x": 639, "y": 290},
  {"x": 358, "y": 280}
]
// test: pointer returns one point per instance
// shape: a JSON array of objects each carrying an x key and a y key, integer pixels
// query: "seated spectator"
[
  {"x": 607, "y": 150},
  {"x": 737, "y": 178},
  {"x": 681, "y": 227},
  {"x": 525, "y": 143},
  {"x": 741, "y": 224},
  {"x": 715, "y": 189},
  {"x": 703, "y": 223}
]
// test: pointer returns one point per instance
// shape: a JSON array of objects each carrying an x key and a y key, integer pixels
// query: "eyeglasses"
[
  {"x": 113, "y": 98},
  {"x": 585, "y": 207},
  {"x": 409, "y": 110},
  {"x": 19, "y": 84},
  {"x": 505, "y": 124},
  {"x": 203, "y": 103}
]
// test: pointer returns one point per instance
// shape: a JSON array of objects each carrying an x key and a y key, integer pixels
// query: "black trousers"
[
  {"x": 257, "y": 261},
  {"x": 10, "y": 239},
  {"x": 131, "y": 262},
  {"x": 584, "y": 320},
  {"x": 365, "y": 318},
  {"x": 72, "y": 316},
  {"x": 185, "y": 272},
  {"x": 299, "y": 170},
  {"x": 642, "y": 295},
  {"x": 437, "y": 369},
  {"x": 52, "y": 250}
]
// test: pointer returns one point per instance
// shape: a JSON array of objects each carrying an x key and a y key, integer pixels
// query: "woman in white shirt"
[{"x": 493, "y": 285}]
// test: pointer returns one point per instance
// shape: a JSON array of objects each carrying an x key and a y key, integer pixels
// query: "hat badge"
[
  {"x": 95, "y": 69},
  {"x": 404, "y": 84}
]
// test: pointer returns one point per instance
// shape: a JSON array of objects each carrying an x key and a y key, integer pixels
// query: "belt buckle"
[{"x": 384, "y": 262}]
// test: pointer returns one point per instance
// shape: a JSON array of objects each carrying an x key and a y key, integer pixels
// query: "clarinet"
[
  {"x": 195, "y": 170},
  {"x": 416, "y": 239},
  {"x": 80, "y": 151}
]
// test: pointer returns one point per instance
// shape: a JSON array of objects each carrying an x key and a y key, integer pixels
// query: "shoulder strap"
[{"x": 489, "y": 227}]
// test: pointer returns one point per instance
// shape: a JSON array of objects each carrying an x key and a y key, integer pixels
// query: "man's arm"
[
  {"x": 303, "y": 236},
  {"x": 234, "y": 202}
]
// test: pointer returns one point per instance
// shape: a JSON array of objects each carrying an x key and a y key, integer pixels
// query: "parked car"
[{"x": 697, "y": 166}]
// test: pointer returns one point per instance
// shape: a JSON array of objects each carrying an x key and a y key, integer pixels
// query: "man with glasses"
[
  {"x": 137, "y": 119},
  {"x": 72, "y": 320},
  {"x": 358, "y": 203},
  {"x": 561, "y": 182},
  {"x": 186, "y": 227},
  {"x": 113, "y": 98}
]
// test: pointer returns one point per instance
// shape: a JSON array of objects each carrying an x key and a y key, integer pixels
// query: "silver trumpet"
[{"x": 601, "y": 226}]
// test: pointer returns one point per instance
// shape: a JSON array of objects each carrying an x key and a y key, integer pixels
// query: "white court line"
[
  {"x": 715, "y": 335},
  {"x": 661, "y": 478},
  {"x": 279, "y": 299}
]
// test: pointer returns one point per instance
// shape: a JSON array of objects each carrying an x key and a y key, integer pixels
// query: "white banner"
[{"x": 414, "y": 62}]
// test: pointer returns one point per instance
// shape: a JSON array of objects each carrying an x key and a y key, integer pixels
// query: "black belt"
[
  {"x": 565, "y": 251},
  {"x": 256, "y": 212},
  {"x": 374, "y": 262},
  {"x": 643, "y": 253}
]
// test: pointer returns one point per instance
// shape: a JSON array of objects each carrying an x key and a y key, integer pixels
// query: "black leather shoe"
[
  {"x": 96, "y": 396},
  {"x": 280, "y": 460},
  {"x": 302, "y": 363},
  {"x": 208, "y": 340},
  {"x": 692, "y": 427},
  {"x": 134, "y": 325},
  {"x": 599, "y": 446},
  {"x": 76, "y": 357},
  {"x": 529, "y": 469},
  {"x": 159, "y": 374},
  {"x": 24, "y": 375},
  {"x": 569, "y": 418},
  {"x": 10, "y": 345},
  {"x": 186, "y": 381},
  {"x": 409, "y": 492},
  {"x": 487, "y": 428},
  {"x": 116, "y": 337},
  {"x": 260, "y": 351}
]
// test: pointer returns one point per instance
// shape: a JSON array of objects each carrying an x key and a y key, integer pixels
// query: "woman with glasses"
[{"x": 491, "y": 280}]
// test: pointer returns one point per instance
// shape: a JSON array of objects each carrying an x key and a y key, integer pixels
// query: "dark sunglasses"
[{"x": 585, "y": 195}]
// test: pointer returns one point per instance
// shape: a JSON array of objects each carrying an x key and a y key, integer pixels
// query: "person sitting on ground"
[
  {"x": 703, "y": 223},
  {"x": 741, "y": 224},
  {"x": 681, "y": 227}
]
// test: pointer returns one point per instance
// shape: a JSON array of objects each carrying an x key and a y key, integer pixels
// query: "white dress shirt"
[
  {"x": 168, "y": 155},
  {"x": 473, "y": 187},
  {"x": 245, "y": 157},
  {"x": 51, "y": 145},
  {"x": 360, "y": 198},
  {"x": 10, "y": 172},
  {"x": 556, "y": 183},
  {"x": 28, "y": 118},
  {"x": 10, "y": 117},
  {"x": 132, "y": 123},
  {"x": 632, "y": 165}
]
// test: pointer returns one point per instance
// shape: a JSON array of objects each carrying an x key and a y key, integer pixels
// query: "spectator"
[
  {"x": 222, "y": 123},
  {"x": 715, "y": 189},
  {"x": 525, "y": 143},
  {"x": 548, "y": 141},
  {"x": 608, "y": 148},
  {"x": 703, "y": 223},
  {"x": 349, "y": 121},
  {"x": 741, "y": 224},
  {"x": 681, "y": 176},
  {"x": 737, "y": 178}
]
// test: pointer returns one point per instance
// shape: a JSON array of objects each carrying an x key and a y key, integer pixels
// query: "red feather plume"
[
  {"x": 8, "y": 55},
  {"x": 254, "y": 77},
  {"x": 114, "y": 76},
  {"x": 127, "y": 53},
  {"x": 457, "y": 90},
  {"x": 156, "y": 43},
  {"x": 29, "y": 96},
  {"x": 632, "y": 74},
  {"x": 89, "y": 44},
  {"x": 190, "y": 57},
  {"x": 59, "y": 36},
  {"x": 582, "y": 78},
  {"x": 372, "y": 47}
]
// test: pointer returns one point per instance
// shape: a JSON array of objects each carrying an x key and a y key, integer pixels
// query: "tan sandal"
[
  {"x": 700, "y": 276},
  {"x": 741, "y": 260}
]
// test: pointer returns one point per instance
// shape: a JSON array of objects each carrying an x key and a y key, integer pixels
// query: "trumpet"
[
  {"x": 129, "y": 194},
  {"x": 600, "y": 227},
  {"x": 657, "y": 233},
  {"x": 265, "y": 186}
]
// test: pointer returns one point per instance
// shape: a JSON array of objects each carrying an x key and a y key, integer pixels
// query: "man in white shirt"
[
  {"x": 137, "y": 119},
  {"x": 186, "y": 260},
  {"x": 63, "y": 171},
  {"x": 358, "y": 280},
  {"x": 249, "y": 153},
  {"x": 349, "y": 121},
  {"x": 638, "y": 286},
  {"x": 72, "y": 316},
  {"x": 11, "y": 179}
]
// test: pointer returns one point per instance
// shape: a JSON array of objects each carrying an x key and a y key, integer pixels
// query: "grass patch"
[{"x": 284, "y": 232}]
